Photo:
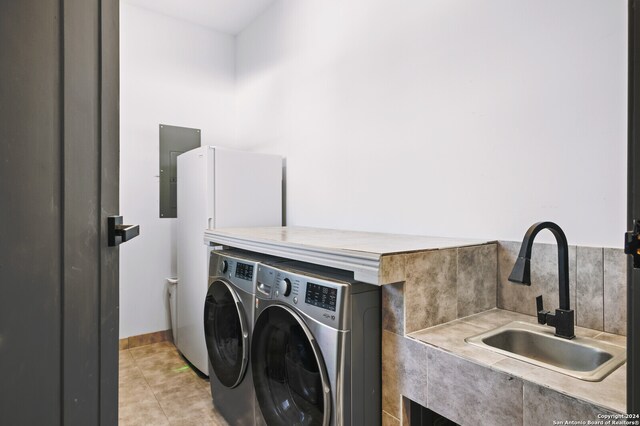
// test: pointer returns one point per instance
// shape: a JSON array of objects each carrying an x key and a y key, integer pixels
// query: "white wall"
[
  {"x": 177, "y": 73},
  {"x": 469, "y": 118},
  {"x": 443, "y": 117}
]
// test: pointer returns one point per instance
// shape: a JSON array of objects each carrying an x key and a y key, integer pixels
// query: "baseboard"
[{"x": 146, "y": 339}]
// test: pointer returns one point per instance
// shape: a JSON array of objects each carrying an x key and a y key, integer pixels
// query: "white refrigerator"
[{"x": 217, "y": 188}]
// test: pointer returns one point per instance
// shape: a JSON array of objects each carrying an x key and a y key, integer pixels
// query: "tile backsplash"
[
  {"x": 615, "y": 291},
  {"x": 597, "y": 281},
  {"x": 439, "y": 286},
  {"x": 544, "y": 278},
  {"x": 590, "y": 293},
  {"x": 476, "y": 283}
]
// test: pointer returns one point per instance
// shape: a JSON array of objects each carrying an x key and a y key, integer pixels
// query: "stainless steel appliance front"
[
  {"x": 315, "y": 353},
  {"x": 228, "y": 321}
]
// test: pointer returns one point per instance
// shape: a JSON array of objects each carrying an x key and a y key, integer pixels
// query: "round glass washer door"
[
  {"x": 225, "y": 329},
  {"x": 289, "y": 375}
]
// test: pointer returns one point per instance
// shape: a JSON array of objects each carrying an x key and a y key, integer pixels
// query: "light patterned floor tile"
[{"x": 157, "y": 387}]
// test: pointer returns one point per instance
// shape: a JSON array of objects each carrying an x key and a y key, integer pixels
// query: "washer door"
[
  {"x": 289, "y": 375},
  {"x": 226, "y": 334}
]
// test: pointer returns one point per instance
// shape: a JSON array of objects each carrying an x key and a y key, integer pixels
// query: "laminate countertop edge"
[{"x": 364, "y": 254}]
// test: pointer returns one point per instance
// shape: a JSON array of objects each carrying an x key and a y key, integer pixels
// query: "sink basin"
[{"x": 581, "y": 357}]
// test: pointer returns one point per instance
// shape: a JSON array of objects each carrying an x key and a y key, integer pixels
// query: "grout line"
[
  {"x": 497, "y": 273},
  {"x": 575, "y": 288},
  {"x": 391, "y": 415},
  {"x": 174, "y": 351},
  {"x": 150, "y": 388},
  {"x": 457, "y": 280},
  {"x": 603, "y": 275},
  {"x": 524, "y": 401},
  {"x": 403, "y": 329}
]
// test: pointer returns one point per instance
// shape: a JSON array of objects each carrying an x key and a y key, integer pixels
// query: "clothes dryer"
[
  {"x": 315, "y": 354},
  {"x": 228, "y": 322}
]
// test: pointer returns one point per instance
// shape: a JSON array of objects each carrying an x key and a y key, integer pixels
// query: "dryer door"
[
  {"x": 226, "y": 333},
  {"x": 289, "y": 374}
]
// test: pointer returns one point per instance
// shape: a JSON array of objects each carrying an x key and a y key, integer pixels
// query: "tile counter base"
[{"x": 473, "y": 386}]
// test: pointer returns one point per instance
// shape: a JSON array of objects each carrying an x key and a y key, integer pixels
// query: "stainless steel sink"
[{"x": 581, "y": 357}]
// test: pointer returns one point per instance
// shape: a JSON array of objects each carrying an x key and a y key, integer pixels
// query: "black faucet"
[{"x": 563, "y": 319}]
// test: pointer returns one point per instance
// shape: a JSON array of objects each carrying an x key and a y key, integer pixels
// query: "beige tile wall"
[
  {"x": 544, "y": 278},
  {"x": 615, "y": 291},
  {"x": 597, "y": 278},
  {"x": 433, "y": 287},
  {"x": 438, "y": 286},
  {"x": 466, "y": 392}
]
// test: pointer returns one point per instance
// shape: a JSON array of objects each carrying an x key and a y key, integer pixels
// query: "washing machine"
[
  {"x": 228, "y": 321},
  {"x": 315, "y": 350}
]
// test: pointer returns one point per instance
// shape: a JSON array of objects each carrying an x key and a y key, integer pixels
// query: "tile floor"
[{"x": 157, "y": 387}]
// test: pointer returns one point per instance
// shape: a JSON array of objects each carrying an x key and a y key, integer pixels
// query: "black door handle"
[
  {"x": 119, "y": 233},
  {"x": 632, "y": 243}
]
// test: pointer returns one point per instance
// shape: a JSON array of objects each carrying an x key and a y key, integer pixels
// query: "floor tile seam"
[
  {"x": 138, "y": 369},
  {"x": 136, "y": 349},
  {"x": 146, "y": 355},
  {"x": 160, "y": 402},
  {"x": 152, "y": 391},
  {"x": 142, "y": 360}
]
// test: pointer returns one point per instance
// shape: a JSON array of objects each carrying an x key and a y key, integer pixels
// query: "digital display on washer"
[
  {"x": 321, "y": 296},
  {"x": 244, "y": 271}
]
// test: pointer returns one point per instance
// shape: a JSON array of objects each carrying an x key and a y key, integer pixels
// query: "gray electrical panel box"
[{"x": 174, "y": 141}]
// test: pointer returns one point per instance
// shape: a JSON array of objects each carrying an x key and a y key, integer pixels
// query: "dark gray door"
[
  {"x": 58, "y": 183},
  {"x": 633, "y": 211}
]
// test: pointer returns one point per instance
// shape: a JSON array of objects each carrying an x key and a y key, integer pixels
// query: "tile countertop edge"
[
  {"x": 519, "y": 369},
  {"x": 364, "y": 263}
]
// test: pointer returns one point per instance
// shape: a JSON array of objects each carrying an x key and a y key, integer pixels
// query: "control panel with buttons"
[
  {"x": 244, "y": 271},
  {"x": 319, "y": 298}
]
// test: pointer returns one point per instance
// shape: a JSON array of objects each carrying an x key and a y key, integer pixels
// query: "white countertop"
[{"x": 360, "y": 252}]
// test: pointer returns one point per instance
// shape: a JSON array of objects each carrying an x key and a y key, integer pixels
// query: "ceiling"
[{"x": 227, "y": 16}]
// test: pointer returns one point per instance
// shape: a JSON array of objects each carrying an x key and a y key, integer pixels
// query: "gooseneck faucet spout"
[{"x": 563, "y": 319}]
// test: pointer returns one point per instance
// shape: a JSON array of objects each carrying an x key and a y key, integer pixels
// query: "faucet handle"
[
  {"x": 542, "y": 314},
  {"x": 539, "y": 304}
]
